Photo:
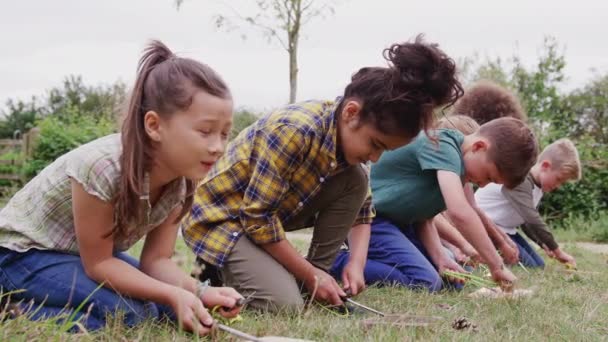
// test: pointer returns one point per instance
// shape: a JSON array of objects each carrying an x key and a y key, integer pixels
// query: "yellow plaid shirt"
[{"x": 267, "y": 175}]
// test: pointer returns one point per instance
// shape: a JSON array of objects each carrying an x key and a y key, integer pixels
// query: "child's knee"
[
  {"x": 279, "y": 301},
  {"x": 429, "y": 280}
]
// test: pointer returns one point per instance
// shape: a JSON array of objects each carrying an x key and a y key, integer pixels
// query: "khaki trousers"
[{"x": 331, "y": 213}]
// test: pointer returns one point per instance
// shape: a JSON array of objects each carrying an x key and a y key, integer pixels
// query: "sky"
[{"x": 44, "y": 41}]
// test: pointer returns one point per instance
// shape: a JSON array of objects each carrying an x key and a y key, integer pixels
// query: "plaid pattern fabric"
[
  {"x": 267, "y": 175},
  {"x": 40, "y": 215}
]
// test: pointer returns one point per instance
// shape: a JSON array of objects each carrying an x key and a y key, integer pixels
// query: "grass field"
[{"x": 565, "y": 307}]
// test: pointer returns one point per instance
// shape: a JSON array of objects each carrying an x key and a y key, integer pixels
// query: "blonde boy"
[{"x": 509, "y": 208}]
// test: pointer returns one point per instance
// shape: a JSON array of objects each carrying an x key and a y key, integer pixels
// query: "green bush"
[
  {"x": 11, "y": 168},
  {"x": 242, "y": 119},
  {"x": 6, "y": 186},
  {"x": 60, "y": 135}
]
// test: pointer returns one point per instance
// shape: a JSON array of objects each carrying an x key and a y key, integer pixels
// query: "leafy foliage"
[{"x": 61, "y": 135}]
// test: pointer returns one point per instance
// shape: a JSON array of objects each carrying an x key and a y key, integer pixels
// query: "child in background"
[
  {"x": 63, "y": 236},
  {"x": 511, "y": 208},
  {"x": 413, "y": 184},
  {"x": 485, "y": 101},
  {"x": 301, "y": 166}
]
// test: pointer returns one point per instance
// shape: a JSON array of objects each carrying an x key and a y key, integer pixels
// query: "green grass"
[{"x": 565, "y": 306}]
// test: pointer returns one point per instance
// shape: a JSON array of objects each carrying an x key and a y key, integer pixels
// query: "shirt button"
[
  {"x": 300, "y": 204},
  {"x": 235, "y": 234},
  {"x": 321, "y": 179}
]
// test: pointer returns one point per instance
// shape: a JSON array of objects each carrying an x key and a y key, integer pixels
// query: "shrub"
[{"x": 60, "y": 135}]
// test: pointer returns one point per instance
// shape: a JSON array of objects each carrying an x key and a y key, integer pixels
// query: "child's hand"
[
  {"x": 324, "y": 287},
  {"x": 474, "y": 257},
  {"x": 449, "y": 264},
  {"x": 564, "y": 257},
  {"x": 549, "y": 252},
  {"x": 191, "y": 314},
  {"x": 353, "y": 279},
  {"x": 509, "y": 254},
  {"x": 504, "y": 277},
  {"x": 225, "y": 297}
]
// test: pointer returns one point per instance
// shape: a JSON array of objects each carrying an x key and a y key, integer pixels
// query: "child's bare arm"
[
  {"x": 156, "y": 262},
  {"x": 427, "y": 232},
  {"x": 451, "y": 234},
  {"x": 358, "y": 242},
  {"x": 156, "y": 254},
  {"x": 505, "y": 245},
  {"x": 93, "y": 220},
  {"x": 465, "y": 218}
]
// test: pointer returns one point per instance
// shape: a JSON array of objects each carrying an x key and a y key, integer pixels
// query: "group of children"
[{"x": 388, "y": 191}]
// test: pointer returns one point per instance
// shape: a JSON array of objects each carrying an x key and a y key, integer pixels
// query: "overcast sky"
[{"x": 43, "y": 41}]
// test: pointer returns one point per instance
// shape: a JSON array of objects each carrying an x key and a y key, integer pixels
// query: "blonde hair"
[
  {"x": 563, "y": 156},
  {"x": 462, "y": 123}
]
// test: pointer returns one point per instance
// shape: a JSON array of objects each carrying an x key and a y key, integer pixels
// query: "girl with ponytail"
[
  {"x": 302, "y": 166},
  {"x": 63, "y": 237}
]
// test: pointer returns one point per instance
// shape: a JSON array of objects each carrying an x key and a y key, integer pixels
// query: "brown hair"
[
  {"x": 564, "y": 158},
  {"x": 486, "y": 101},
  {"x": 513, "y": 148},
  {"x": 462, "y": 123},
  {"x": 400, "y": 98},
  {"x": 165, "y": 84}
]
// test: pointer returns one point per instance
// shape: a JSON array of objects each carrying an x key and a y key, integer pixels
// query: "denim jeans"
[
  {"x": 394, "y": 258},
  {"x": 56, "y": 284},
  {"x": 527, "y": 254}
]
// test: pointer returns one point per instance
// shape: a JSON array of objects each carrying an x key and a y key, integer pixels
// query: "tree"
[
  {"x": 278, "y": 20},
  {"x": 75, "y": 96},
  {"x": 490, "y": 69},
  {"x": 538, "y": 88},
  {"x": 590, "y": 106},
  {"x": 18, "y": 117}
]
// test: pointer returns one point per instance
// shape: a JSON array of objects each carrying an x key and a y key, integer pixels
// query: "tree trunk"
[{"x": 293, "y": 73}]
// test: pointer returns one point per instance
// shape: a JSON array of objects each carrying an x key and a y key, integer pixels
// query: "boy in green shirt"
[{"x": 414, "y": 183}]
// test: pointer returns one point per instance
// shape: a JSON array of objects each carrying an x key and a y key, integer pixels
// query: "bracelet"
[{"x": 201, "y": 287}]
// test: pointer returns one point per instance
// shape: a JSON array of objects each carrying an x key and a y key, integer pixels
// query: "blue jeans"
[
  {"x": 394, "y": 258},
  {"x": 527, "y": 254},
  {"x": 57, "y": 284}
]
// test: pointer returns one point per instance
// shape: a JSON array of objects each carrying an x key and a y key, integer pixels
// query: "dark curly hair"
[
  {"x": 400, "y": 99},
  {"x": 486, "y": 101}
]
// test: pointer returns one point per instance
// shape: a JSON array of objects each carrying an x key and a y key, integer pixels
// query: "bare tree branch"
[{"x": 273, "y": 19}]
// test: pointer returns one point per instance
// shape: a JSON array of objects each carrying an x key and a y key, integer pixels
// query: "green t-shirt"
[{"x": 404, "y": 181}]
